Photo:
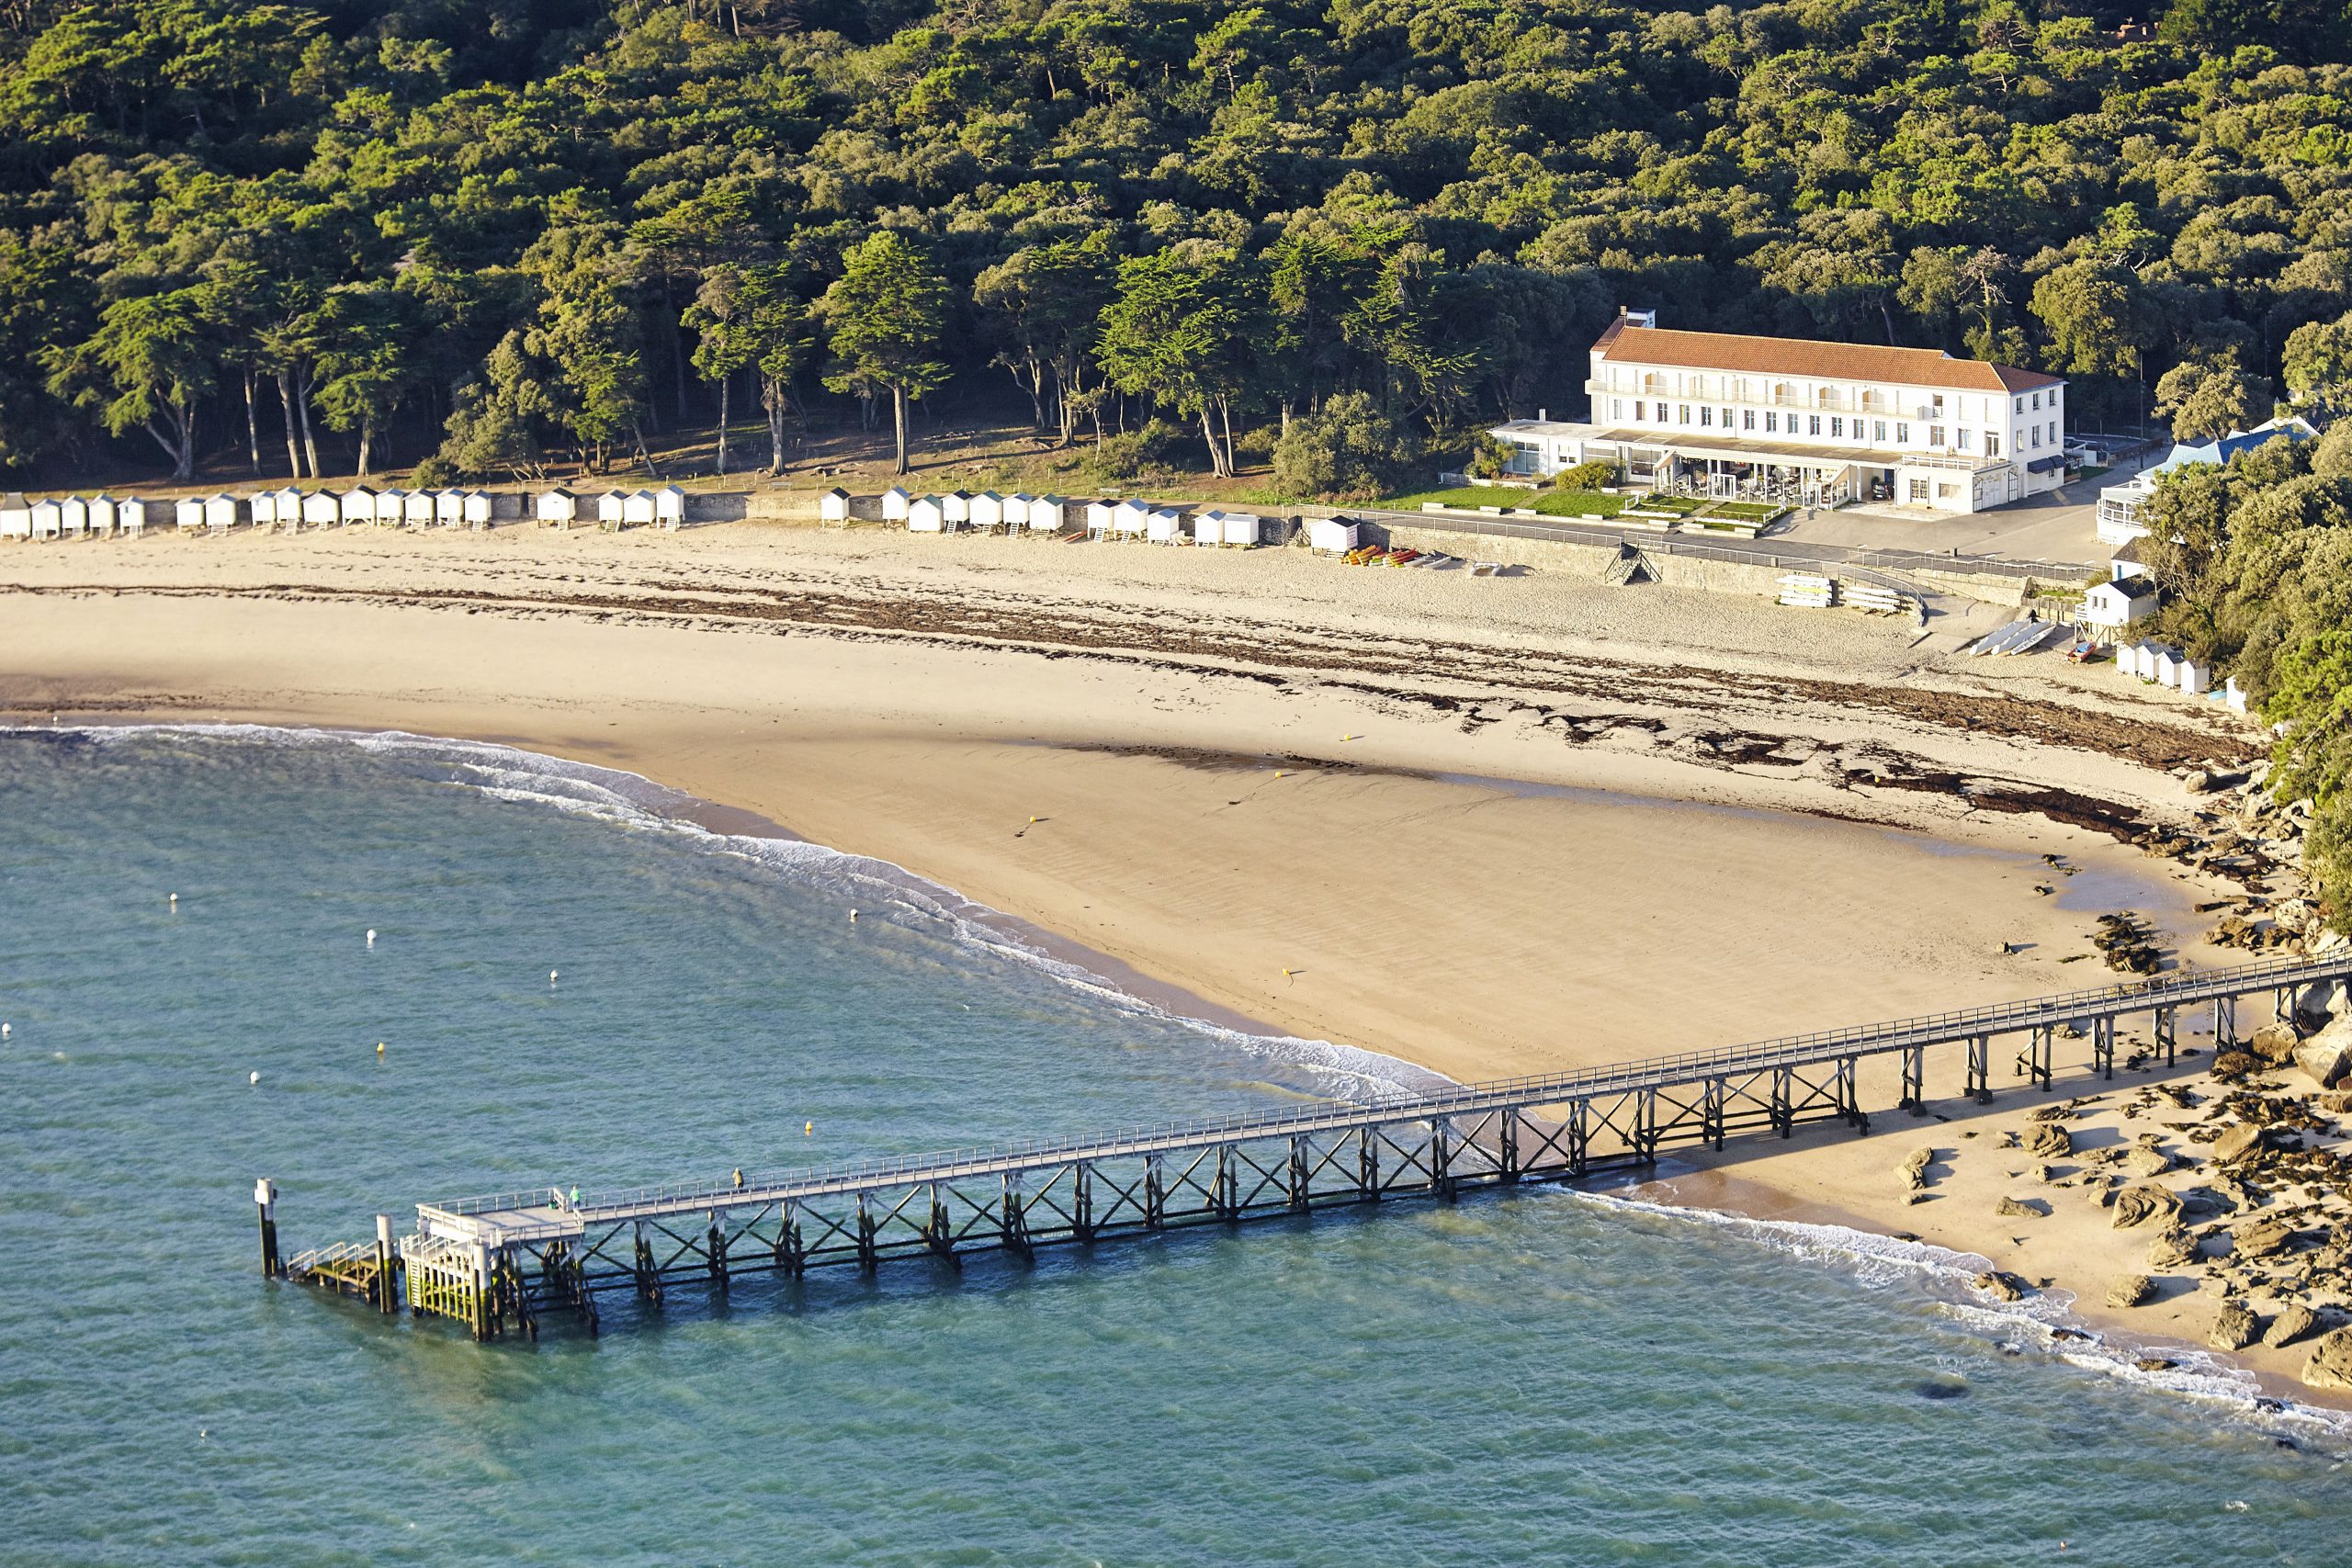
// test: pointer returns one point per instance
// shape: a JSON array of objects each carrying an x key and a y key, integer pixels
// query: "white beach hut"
[
  {"x": 130, "y": 517},
  {"x": 834, "y": 505},
  {"x": 557, "y": 506},
  {"x": 450, "y": 507},
  {"x": 1208, "y": 528},
  {"x": 927, "y": 514},
  {"x": 16, "y": 516},
  {"x": 187, "y": 512},
  {"x": 1016, "y": 511},
  {"x": 1163, "y": 526},
  {"x": 358, "y": 504},
  {"x": 670, "y": 507},
  {"x": 73, "y": 516},
  {"x": 103, "y": 513},
  {"x": 1332, "y": 535},
  {"x": 47, "y": 518},
  {"x": 1244, "y": 528},
  {"x": 2194, "y": 677},
  {"x": 321, "y": 507},
  {"x": 638, "y": 508},
  {"x": 261, "y": 507},
  {"x": 1100, "y": 515},
  {"x": 480, "y": 507},
  {"x": 221, "y": 513},
  {"x": 896, "y": 505},
  {"x": 392, "y": 508},
  {"x": 956, "y": 509},
  {"x": 286, "y": 508},
  {"x": 418, "y": 510},
  {"x": 1129, "y": 518},
  {"x": 611, "y": 511},
  {"x": 987, "y": 510},
  {"x": 1046, "y": 513},
  {"x": 2164, "y": 668}
]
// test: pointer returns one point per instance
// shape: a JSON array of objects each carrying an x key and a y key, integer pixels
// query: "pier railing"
[
  {"x": 501, "y": 1260},
  {"x": 1532, "y": 1090}
]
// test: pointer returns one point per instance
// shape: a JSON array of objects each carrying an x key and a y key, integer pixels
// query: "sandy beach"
[{"x": 1490, "y": 825}]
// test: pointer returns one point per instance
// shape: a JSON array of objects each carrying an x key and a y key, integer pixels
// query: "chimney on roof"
[{"x": 1542, "y": 413}]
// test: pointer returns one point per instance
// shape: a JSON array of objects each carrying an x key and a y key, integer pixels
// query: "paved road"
[{"x": 1777, "y": 551}]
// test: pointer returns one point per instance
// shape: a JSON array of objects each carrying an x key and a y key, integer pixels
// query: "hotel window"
[
  {"x": 1918, "y": 489},
  {"x": 1991, "y": 444},
  {"x": 1747, "y": 419},
  {"x": 1967, "y": 439},
  {"x": 1902, "y": 434},
  {"x": 2020, "y": 405},
  {"x": 1935, "y": 436},
  {"x": 1638, "y": 414},
  {"x": 1616, "y": 408},
  {"x": 1683, "y": 414},
  {"x": 1946, "y": 493},
  {"x": 1837, "y": 427},
  {"x": 1726, "y": 419},
  {"x": 2037, "y": 400},
  {"x": 1813, "y": 424},
  {"x": 1878, "y": 430},
  {"x": 1771, "y": 421}
]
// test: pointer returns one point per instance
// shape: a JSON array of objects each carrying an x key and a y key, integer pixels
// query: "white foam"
[
  {"x": 2044, "y": 1321},
  {"x": 631, "y": 800}
]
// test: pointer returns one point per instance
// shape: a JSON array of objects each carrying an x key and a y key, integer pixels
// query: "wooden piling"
[{"x": 266, "y": 1200}]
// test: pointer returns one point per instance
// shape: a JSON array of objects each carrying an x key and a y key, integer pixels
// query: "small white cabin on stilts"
[
  {"x": 131, "y": 516},
  {"x": 480, "y": 507},
  {"x": 555, "y": 506},
  {"x": 105, "y": 515},
  {"x": 359, "y": 505},
  {"x": 611, "y": 511},
  {"x": 638, "y": 508},
  {"x": 16, "y": 516},
  {"x": 188, "y": 513},
  {"x": 834, "y": 505},
  {"x": 47, "y": 518},
  {"x": 927, "y": 514},
  {"x": 321, "y": 507},
  {"x": 896, "y": 505}
]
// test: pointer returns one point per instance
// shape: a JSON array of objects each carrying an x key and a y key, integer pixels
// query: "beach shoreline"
[{"x": 1313, "y": 856}]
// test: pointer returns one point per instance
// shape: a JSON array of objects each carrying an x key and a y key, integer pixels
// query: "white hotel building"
[{"x": 1801, "y": 421}]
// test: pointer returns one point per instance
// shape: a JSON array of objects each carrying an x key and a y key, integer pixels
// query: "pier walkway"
[{"x": 503, "y": 1262}]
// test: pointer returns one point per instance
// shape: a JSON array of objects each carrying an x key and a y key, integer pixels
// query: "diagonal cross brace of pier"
[{"x": 509, "y": 1257}]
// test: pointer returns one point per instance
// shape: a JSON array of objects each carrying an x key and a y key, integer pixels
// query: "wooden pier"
[{"x": 502, "y": 1264}]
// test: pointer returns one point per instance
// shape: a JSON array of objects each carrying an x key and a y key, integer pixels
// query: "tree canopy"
[{"x": 508, "y": 230}]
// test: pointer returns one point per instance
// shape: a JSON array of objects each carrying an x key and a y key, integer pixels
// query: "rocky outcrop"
[
  {"x": 2326, "y": 1059},
  {"x": 2130, "y": 1290},
  {"x": 1914, "y": 1169},
  {"x": 2139, "y": 1205},
  {"x": 2233, "y": 1327},
  {"x": 2022, "y": 1208},
  {"x": 2173, "y": 1248},
  {"x": 2291, "y": 1323},
  {"x": 2235, "y": 1141},
  {"x": 2261, "y": 1238},
  {"x": 2049, "y": 1141},
  {"x": 2274, "y": 1042},
  {"x": 2147, "y": 1160},
  {"x": 2001, "y": 1286},
  {"x": 2331, "y": 1362}
]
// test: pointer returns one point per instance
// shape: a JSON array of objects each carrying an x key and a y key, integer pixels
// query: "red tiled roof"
[{"x": 1812, "y": 359}]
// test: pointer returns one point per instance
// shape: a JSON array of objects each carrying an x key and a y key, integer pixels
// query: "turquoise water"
[{"x": 1547, "y": 1379}]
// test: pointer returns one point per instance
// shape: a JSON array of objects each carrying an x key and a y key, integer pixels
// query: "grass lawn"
[{"x": 1550, "y": 502}]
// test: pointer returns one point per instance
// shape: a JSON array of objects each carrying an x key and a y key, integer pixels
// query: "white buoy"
[
  {"x": 252, "y": 1078},
  {"x": 176, "y": 900},
  {"x": 852, "y": 916},
  {"x": 5, "y": 1032},
  {"x": 371, "y": 939},
  {"x": 550, "y": 976}
]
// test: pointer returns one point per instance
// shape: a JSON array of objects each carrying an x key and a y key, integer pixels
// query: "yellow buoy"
[
  {"x": 380, "y": 1047},
  {"x": 809, "y": 1131}
]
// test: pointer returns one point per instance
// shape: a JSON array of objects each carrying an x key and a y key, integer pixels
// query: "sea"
[{"x": 575, "y": 984}]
